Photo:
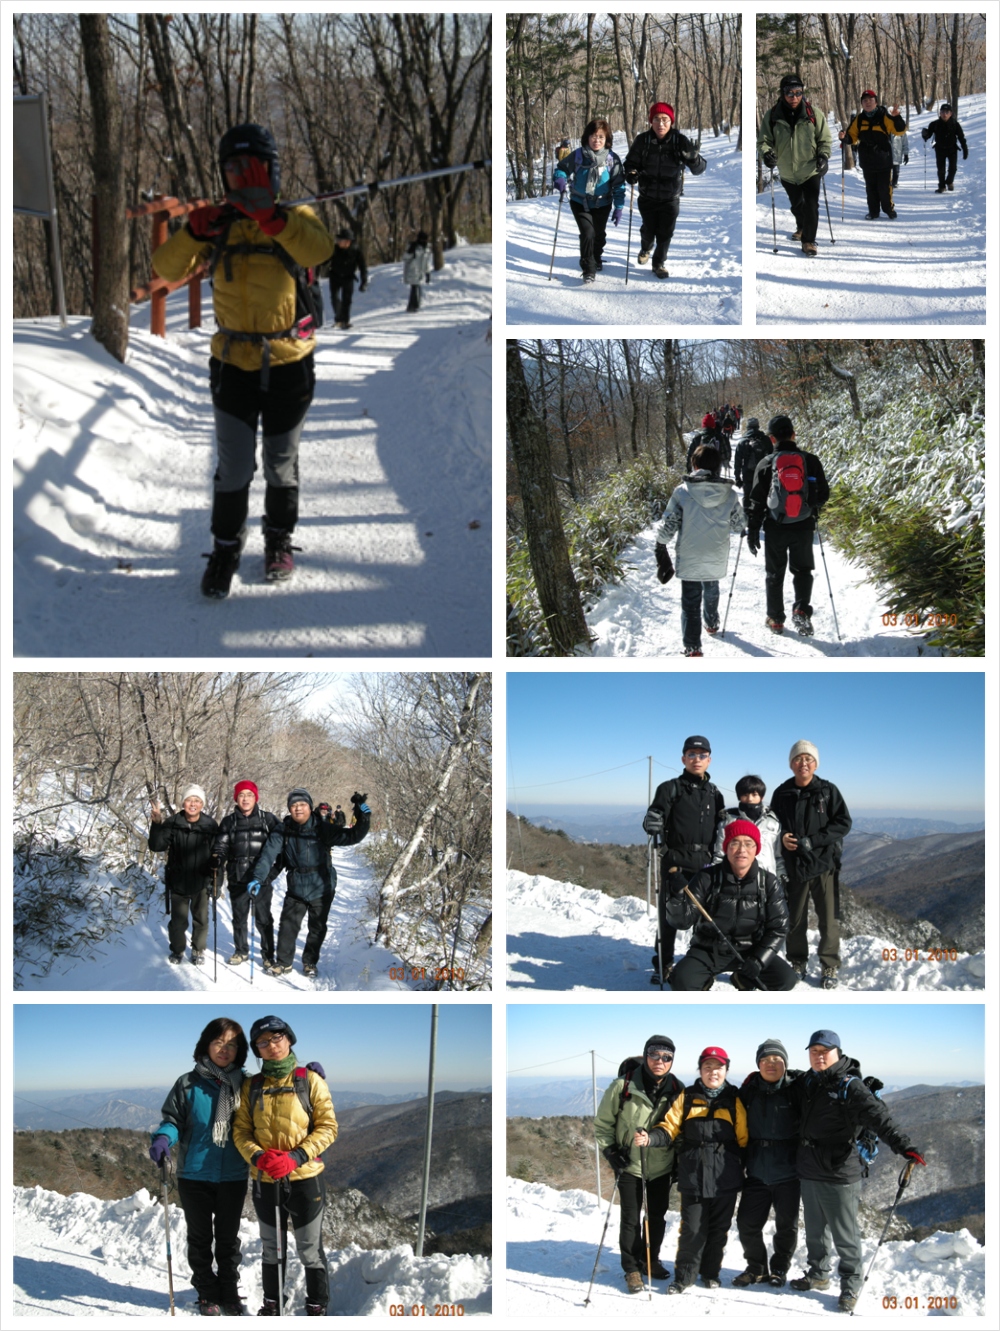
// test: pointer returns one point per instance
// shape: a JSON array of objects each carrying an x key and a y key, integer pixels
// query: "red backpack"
[{"x": 787, "y": 500}]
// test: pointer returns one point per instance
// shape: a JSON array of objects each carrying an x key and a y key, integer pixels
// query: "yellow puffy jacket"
[
  {"x": 280, "y": 1123},
  {"x": 261, "y": 296}
]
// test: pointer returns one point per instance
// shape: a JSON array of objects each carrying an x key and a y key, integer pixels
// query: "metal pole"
[
  {"x": 166, "y": 1226},
  {"x": 604, "y": 1232},
  {"x": 281, "y": 1246},
  {"x": 649, "y": 844},
  {"x": 774, "y": 223},
  {"x": 428, "y": 1132},
  {"x": 827, "y": 202},
  {"x": 215, "y": 925},
  {"x": 828, "y": 585},
  {"x": 628, "y": 251},
  {"x": 739, "y": 551},
  {"x": 645, "y": 1215},
  {"x": 657, "y": 890},
  {"x": 376, "y": 185},
  {"x": 904, "y": 1178},
  {"x": 597, "y": 1149},
  {"x": 555, "y": 238}
]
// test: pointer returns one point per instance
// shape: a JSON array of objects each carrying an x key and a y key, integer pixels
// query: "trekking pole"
[
  {"x": 739, "y": 550},
  {"x": 645, "y": 1219},
  {"x": 628, "y": 251},
  {"x": 374, "y": 186},
  {"x": 843, "y": 158},
  {"x": 774, "y": 222},
  {"x": 904, "y": 1178},
  {"x": 656, "y": 895},
  {"x": 251, "y": 921},
  {"x": 277, "y": 1225},
  {"x": 604, "y": 1233},
  {"x": 828, "y": 585},
  {"x": 215, "y": 925},
  {"x": 556, "y": 236},
  {"x": 925, "y": 166},
  {"x": 827, "y": 202},
  {"x": 166, "y": 1226},
  {"x": 699, "y": 907}
]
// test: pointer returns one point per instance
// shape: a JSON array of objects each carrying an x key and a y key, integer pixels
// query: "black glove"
[
  {"x": 770, "y": 160},
  {"x": 364, "y": 286},
  {"x": 805, "y": 843},
  {"x": 618, "y": 1157},
  {"x": 906, "y": 159},
  {"x": 822, "y": 164},
  {"x": 750, "y": 971},
  {"x": 632, "y": 175},
  {"x": 753, "y": 540},
  {"x": 664, "y": 568},
  {"x": 360, "y": 803},
  {"x": 652, "y": 824},
  {"x": 965, "y": 154},
  {"x": 925, "y": 133},
  {"x": 428, "y": 279}
]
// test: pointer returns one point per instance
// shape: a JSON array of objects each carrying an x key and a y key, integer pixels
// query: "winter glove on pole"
[
  {"x": 616, "y": 216},
  {"x": 618, "y": 1158},
  {"x": 253, "y": 887},
  {"x": 560, "y": 183},
  {"x": 770, "y": 160},
  {"x": 208, "y": 223},
  {"x": 750, "y": 970},
  {"x": 555, "y": 238},
  {"x": 906, "y": 159},
  {"x": 965, "y": 154},
  {"x": 904, "y": 1178},
  {"x": 652, "y": 824},
  {"x": 664, "y": 566},
  {"x": 628, "y": 248},
  {"x": 276, "y": 1164},
  {"x": 159, "y": 1149},
  {"x": 915, "y": 1157},
  {"x": 822, "y": 164},
  {"x": 753, "y": 540},
  {"x": 254, "y": 196},
  {"x": 363, "y": 287},
  {"x": 604, "y": 1233}
]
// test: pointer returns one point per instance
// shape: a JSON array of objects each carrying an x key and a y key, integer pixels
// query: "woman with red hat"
[
  {"x": 241, "y": 837},
  {"x": 709, "y": 1125},
  {"x": 656, "y": 160}
]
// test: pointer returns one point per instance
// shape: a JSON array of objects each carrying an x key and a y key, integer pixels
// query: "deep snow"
[
  {"x": 704, "y": 260},
  {"x": 928, "y": 266},
  {"x": 112, "y": 487},
  {"x": 78, "y": 1256},
  {"x": 560, "y": 936},
  {"x": 642, "y": 617},
  {"x": 554, "y": 1242}
]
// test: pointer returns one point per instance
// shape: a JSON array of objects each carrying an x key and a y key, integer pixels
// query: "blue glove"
[
  {"x": 159, "y": 1149},
  {"x": 560, "y": 183},
  {"x": 317, "y": 1068},
  {"x": 253, "y": 887},
  {"x": 616, "y": 216}
]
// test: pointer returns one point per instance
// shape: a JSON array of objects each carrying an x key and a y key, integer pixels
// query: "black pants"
[
  {"x": 755, "y": 1207},
  {"x": 632, "y": 1233},
  {"x": 804, "y": 202},
  {"x": 415, "y": 294},
  {"x": 341, "y": 297},
  {"x": 241, "y": 899},
  {"x": 705, "y": 1225},
  {"x": 658, "y": 222},
  {"x": 593, "y": 224},
  {"x": 180, "y": 907},
  {"x": 240, "y": 406},
  {"x": 300, "y": 1201},
  {"x": 703, "y": 963},
  {"x": 878, "y": 185},
  {"x": 788, "y": 545},
  {"x": 292, "y": 912},
  {"x": 947, "y": 165},
  {"x": 212, "y": 1212}
]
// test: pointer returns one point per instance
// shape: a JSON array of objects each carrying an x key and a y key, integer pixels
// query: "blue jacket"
[
  {"x": 306, "y": 851},
  {"x": 188, "y": 1112},
  {"x": 610, "y": 187}
]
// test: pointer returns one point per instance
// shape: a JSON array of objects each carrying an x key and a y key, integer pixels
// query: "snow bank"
[{"x": 561, "y": 936}]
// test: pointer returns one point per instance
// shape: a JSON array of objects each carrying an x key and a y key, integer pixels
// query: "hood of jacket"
[{"x": 709, "y": 490}]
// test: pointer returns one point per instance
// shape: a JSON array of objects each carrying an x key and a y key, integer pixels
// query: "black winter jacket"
[
  {"x": 832, "y": 1116},
  {"x": 873, "y": 136},
  {"x": 240, "y": 839},
  {"x": 817, "y": 815},
  {"x": 189, "y": 852},
  {"x": 773, "y": 1126},
  {"x": 753, "y": 914},
  {"x": 710, "y": 1134},
  {"x": 343, "y": 264},
  {"x": 819, "y": 489},
  {"x": 752, "y": 449},
  {"x": 305, "y": 848},
  {"x": 690, "y": 807},
  {"x": 660, "y": 164},
  {"x": 945, "y": 133}
]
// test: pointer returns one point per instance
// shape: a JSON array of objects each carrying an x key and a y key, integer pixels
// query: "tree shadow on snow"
[{"x": 51, "y": 1281}]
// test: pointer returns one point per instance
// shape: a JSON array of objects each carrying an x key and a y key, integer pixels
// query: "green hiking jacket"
[
  {"x": 618, "y": 1120},
  {"x": 795, "y": 148}
]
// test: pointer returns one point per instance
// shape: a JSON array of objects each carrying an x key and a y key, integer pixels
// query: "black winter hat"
[
  {"x": 254, "y": 141},
  {"x": 696, "y": 742},
  {"x": 344, "y": 234},
  {"x": 658, "y": 1042},
  {"x": 945, "y": 106},
  {"x": 299, "y": 793},
  {"x": 790, "y": 81},
  {"x": 772, "y": 1047},
  {"x": 753, "y": 423},
  {"x": 781, "y": 427},
  {"x": 274, "y": 1025}
]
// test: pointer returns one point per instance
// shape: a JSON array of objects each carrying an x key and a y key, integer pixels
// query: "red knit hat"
[
  {"x": 713, "y": 1051},
  {"x": 869, "y": 93},
  {"x": 708, "y": 420},
  {"x": 661, "y": 109},
  {"x": 246, "y": 785},
  {"x": 741, "y": 827}
]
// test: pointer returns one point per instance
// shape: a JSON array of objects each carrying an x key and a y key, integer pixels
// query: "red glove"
[
  {"x": 277, "y": 1164},
  {"x": 206, "y": 223},
  {"x": 254, "y": 197},
  {"x": 912, "y": 1155}
]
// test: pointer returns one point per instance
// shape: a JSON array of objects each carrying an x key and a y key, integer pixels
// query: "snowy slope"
[
  {"x": 641, "y": 617},
  {"x": 557, "y": 1233},
  {"x": 77, "y": 1257},
  {"x": 704, "y": 260},
  {"x": 560, "y": 936},
  {"x": 113, "y": 468},
  {"x": 928, "y": 266}
]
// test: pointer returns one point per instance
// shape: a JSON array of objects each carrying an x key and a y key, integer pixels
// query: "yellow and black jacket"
[
  {"x": 872, "y": 135},
  {"x": 711, "y": 1135}
]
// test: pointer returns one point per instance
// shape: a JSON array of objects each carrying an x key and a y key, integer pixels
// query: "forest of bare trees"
[
  {"x": 562, "y": 72},
  {"x": 350, "y": 98}
]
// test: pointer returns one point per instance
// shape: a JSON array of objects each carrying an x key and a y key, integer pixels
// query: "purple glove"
[
  {"x": 560, "y": 183},
  {"x": 616, "y": 216},
  {"x": 159, "y": 1149},
  {"x": 317, "y": 1068}
]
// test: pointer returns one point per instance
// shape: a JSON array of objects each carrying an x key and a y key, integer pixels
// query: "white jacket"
[
  {"x": 703, "y": 510},
  {"x": 769, "y": 828}
]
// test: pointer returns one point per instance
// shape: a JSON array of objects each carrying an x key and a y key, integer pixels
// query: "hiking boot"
[
  {"x": 308, "y": 970},
  {"x": 830, "y": 979},
  {"x": 748, "y": 1277},
  {"x": 892, "y": 214},
  {"x": 633, "y": 1282},
  {"x": 808, "y": 1282},
  {"x": 775, "y": 625},
  {"x": 644, "y": 256},
  {"x": 710, "y": 1282},
  {"x": 197, "y": 958},
  {"x": 221, "y": 568},
  {"x": 871, "y": 217},
  {"x": 659, "y": 1271},
  {"x": 232, "y": 1305},
  {"x": 176, "y": 958},
  {"x": 315, "y": 1309},
  {"x": 776, "y": 1278},
  {"x": 797, "y": 234},
  {"x": 799, "y": 967},
  {"x": 951, "y": 189},
  {"x": 802, "y": 623},
  {"x": 846, "y": 1302},
  {"x": 693, "y": 651},
  {"x": 809, "y": 247},
  {"x": 237, "y": 959},
  {"x": 712, "y": 628},
  {"x": 208, "y": 1308},
  {"x": 660, "y": 270},
  {"x": 272, "y": 968},
  {"x": 269, "y": 1308},
  {"x": 940, "y": 189},
  {"x": 278, "y": 562},
  {"x": 600, "y": 265},
  {"x": 675, "y": 1288}
]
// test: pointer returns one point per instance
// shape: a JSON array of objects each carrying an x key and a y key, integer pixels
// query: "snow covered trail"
[
  {"x": 560, "y": 936},
  {"x": 704, "y": 260},
  {"x": 113, "y": 467},
  {"x": 78, "y": 1256},
  {"x": 136, "y": 958},
  {"x": 557, "y": 1233},
  {"x": 642, "y": 617},
  {"x": 928, "y": 266}
]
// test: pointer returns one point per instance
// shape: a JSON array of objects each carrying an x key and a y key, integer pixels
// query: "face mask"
[{"x": 751, "y": 811}]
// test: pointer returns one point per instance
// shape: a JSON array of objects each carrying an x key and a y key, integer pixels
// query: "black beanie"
[
  {"x": 299, "y": 794},
  {"x": 659, "y": 1042},
  {"x": 772, "y": 1047}
]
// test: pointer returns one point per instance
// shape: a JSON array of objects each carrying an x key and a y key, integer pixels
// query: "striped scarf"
[{"x": 229, "y": 1081}]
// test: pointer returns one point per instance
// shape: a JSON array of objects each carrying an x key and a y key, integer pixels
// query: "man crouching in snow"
[{"x": 303, "y": 841}]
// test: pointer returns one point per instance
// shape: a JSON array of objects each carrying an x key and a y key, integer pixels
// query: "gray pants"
[
  {"x": 824, "y": 898},
  {"x": 830, "y": 1211},
  {"x": 301, "y": 1202}
]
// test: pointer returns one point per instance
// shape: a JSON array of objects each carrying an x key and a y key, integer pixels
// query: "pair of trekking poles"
[
  {"x": 215, "y": 925},
  {"x": 628, "y": 250},
  {"x": 826, "y": 570},
  {"x": 645, "y": 1220},
  {"x": 774, "y": 218}
]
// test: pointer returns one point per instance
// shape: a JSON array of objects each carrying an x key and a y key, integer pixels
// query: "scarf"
[
  {"x": 752, "y": 812},
  {"x": 279, "y": 1067},
  {"x": 709, "y": 1095},
  {"x": 229, "y": 1082},
  {"x": 595, "y": 162}
]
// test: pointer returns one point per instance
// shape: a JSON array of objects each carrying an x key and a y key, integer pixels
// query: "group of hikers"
[
  {"x": 595, "y": 177},
  {"x": 263, "y": 258},
  {"x": 248, "y": 850},
  {"x": 778, "y": 1138},
  {"x": 795, "y": 140},
  {"x": 784, "y": 489},
  {"x": 741, "y": 878},
  {"x": 222, "y": 1125}
]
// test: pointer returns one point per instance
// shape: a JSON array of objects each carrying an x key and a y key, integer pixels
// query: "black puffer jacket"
[
  {"x": 753, "y": 914},
  {"x": 710, "y": 1132},
  {"x": 832, "y": 1114},
  {"x": 760, "y": 487},
  {"x": 305, "y": 849},
  {"x": 240, "y": 839},
  {"x": 773, "y": 1128},
  {"x": 189, "y": 851},
  {"x": 344, "y": 263},
  {"x": 817, "y": 815},
  {"x": 690, "y": 807},
  {"x": 660, "y": 164},
  {"x": 751, "y": 449},
  {"x": 946, "y": 134}
]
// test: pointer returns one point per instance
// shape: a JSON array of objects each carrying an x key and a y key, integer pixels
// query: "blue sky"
[
  {"x": 889, "y": 741},
  {"x": 906, "y": 1043},
  {"x": 362, "y": 1046}
]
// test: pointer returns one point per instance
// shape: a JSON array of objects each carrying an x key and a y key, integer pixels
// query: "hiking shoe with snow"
[
  {"x": 309, "y": 970},
  {"x": 712, "y": 628},
  {"x": 710, "y": 1282},
  {"x": 659, "y": 1271},
  {"x": 693, "y": 651},
  {"x": 799, "y": 967},
  {"x": 272, "y": 968},
  {"x": 661, "y": 271},
  {"x": 871, "y": 217},
  {"x": 675, "y": 1288},
  {"x": 208, "y": 1308},
  {"x": 221, "y": 568},
  {"x": 278, "y": 562},
  {"x": 776, "y": 1278},
  {"x": 237, "y": 959},
  {"x": 234, "y": 1307},
  {"x": 176, "y": 958},
  {"x": 748, "y": 1277},
  {"x": 269, "y": 1308},
  {"x": 830, "y": 978},
  {"x": 846, "y": 1302},
  {"x": 633, "y": 1282},
  {"x": 951, "y": 189},
  {"x": 589, "y": 277},
  {"x": 808, "y": 1282},
  {"x": 797, "y": 234},
  {"x": 644, "y": 256},
  {"x": 775, "y": 625},
  {"x": 197, "y": 958},
  {"x": 315, "y": 1309},
  {"x": 802, "y": 623},
  {"x": 809, "y": 248}
]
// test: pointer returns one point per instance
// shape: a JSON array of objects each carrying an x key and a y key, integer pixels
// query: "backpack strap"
[{"x": 299, "y": 1086}]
